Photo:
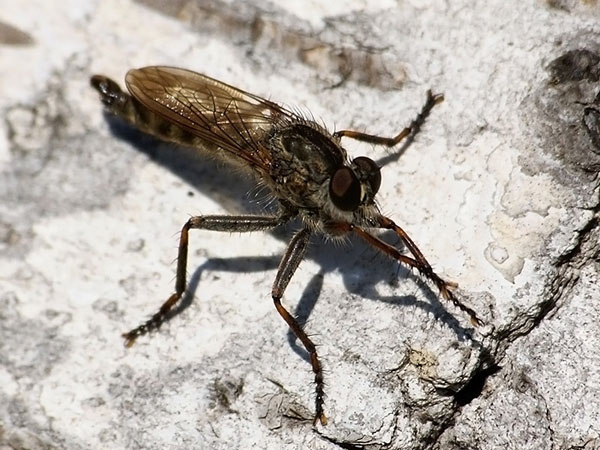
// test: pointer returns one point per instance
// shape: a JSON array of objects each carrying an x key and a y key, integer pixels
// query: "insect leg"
[
  {"x": 213, "y": 223},
  {"x": 418, "y": 262},
  {"x": 412, "y": 129},
  {"x": 288, "y": 265}
]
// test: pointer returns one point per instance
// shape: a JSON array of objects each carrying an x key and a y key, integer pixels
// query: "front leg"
[
  {"x": 418, "y": 262},
  {"x": 213, "y": 223}
]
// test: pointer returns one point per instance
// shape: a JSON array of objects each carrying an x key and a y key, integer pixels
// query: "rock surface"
[{"x": 499, "y": 190}]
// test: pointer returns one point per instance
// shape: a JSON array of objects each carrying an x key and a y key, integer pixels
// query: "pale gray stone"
[{"x": 499, "y": 190}]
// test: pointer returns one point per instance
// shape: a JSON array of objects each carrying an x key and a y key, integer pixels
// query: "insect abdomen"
[{"x": 124, "y": 106}]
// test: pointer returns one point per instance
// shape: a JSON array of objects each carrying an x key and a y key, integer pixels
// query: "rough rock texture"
[{"x": 499, "y": 190}]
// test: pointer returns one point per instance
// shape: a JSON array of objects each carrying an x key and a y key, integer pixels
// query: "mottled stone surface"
[{"x": 499, "y": 190}]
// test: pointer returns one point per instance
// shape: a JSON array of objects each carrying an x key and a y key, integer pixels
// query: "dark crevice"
[
  {"x": 474, "y": 387},
  {"x": 575, "y": 253},
  {"x": 348, "y": 446},
  {"x": 345, "y": 445},
  {"x": 568, "y": 267}
]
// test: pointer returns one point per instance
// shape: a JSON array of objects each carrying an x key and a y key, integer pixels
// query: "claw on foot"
[
  {"x": 129, "y": 339},
  {"x": 320, "y": 418}
]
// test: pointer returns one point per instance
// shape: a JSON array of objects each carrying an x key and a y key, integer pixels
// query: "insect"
[{"x": 304, "y": 166}]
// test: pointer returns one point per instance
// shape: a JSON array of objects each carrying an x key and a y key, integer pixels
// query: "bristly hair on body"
[{"x": 304, "y": 166}]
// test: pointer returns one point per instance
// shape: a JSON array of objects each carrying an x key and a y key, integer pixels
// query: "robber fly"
[{"x": 303, "y": 165}]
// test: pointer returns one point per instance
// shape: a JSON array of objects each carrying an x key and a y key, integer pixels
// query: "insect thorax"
[{"x": 305, "y": 156}]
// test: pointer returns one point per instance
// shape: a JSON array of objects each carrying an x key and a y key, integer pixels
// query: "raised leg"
[
  {"x": 413, "y": 128},
  {"x": 289, "y": 263},
  {"x": 213, "y": 223},
  {"x": 418, "y": 262}
]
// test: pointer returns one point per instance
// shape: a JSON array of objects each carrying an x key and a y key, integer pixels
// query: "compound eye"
[
  {"x": 344, "y": 189},
  {"x": 371, "y": 170}
]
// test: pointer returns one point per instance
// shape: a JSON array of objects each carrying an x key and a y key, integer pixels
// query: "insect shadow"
[{"x": 360, "y": 279}]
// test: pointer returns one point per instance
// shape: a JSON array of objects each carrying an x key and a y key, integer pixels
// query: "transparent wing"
[{"x": 234, "y": 120}]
